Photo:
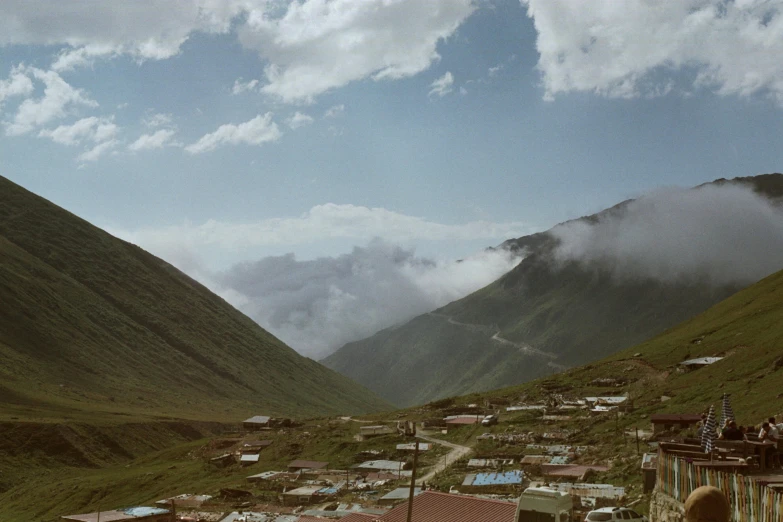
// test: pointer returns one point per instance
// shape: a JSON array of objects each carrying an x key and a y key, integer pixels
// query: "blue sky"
[{"x": 215, "y": 132}]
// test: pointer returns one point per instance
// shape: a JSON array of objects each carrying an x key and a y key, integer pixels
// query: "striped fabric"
[
  {"x": 708, "y": 433},
  {"x": 726, "y": 412}
]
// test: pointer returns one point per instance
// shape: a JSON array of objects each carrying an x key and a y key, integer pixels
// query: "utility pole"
[
  {"x": 637, "y": 441},
  {"x": 413, "y": 482}
]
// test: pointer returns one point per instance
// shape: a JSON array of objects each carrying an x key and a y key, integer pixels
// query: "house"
[
  {"x": 185, "y": 501},
  {"x": 398, "y": 495},
  {"x": 132, "y": 514},
  {"x": 391, "y": 466},
  {"x": 256, "y": 423},
  {"x": 297, "y": 465},
  {"x": 372, "y": 431},
  {"x": 463, "y": 419},
  {"x": 489, "y": 463},
  {"x": 569, "y": 470},
  {"x": 309, "y": 494},
  {"x": 249, "y": 458},
  {"x": 590, "y": 490},
  {"x": 535, "y": 460},
  {"x": 482, "y": 481},
  {"x": 432, "y": 506},
  {"x": 667, "y": 421},
  {"x": 701, "y": 362}
]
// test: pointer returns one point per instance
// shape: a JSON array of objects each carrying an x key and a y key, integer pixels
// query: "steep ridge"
[
  {"x": 90, "y": 325},
  {"x": 567, "y": 314}
]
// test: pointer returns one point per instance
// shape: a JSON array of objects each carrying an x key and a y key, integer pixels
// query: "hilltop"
[
  {"x": 93, "y": 328},
  {"x": 537, "y": 319}
]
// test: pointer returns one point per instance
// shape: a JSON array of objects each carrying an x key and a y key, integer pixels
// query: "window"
[
  {"x": 625, "y": 514},
  {"x": 595, "y": 516},
  {"x": 634, "y": 514}
]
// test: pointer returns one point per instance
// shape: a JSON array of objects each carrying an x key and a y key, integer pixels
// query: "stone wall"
[{"x": 663, "y": 508}]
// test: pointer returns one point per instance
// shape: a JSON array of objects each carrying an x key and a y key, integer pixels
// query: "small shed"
[
  {"x": 256, "y": 423},
  {"x": 302, "y": 496},
  {"x": 667, "y": 421},
  {"x": 249, "y": 458},
  {"x": 649, "y": 471},
  {"x": 700, "y": 362}
]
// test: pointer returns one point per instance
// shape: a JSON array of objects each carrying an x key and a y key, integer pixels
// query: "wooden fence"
[{"x": 751, "y": 501}]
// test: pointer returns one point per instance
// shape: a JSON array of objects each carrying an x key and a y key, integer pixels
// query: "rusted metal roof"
[
  {"x": 432, "y": 506},
  {"x": 307, "y": 464},
  {"x": 557, "y": 470},
  {"x": 358, "y": 517}
]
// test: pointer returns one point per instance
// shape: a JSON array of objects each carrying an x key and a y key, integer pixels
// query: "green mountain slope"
[
  {"x": 531, "y": 322},
  {"x": 91, "y": 324}
]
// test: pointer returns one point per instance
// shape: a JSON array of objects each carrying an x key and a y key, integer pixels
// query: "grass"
[{"x": 92, "y": 326}]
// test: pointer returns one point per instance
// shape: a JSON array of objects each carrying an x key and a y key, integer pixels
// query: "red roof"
[
  {"x": 359, "y": 517},
  {"x": 307, "y": 518},
  {"x": 432, "y": 506}
]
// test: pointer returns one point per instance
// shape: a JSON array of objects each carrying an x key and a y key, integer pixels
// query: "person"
[
  {"x": 773, "y": 428},
  {"x": 766, "y": 435},
  {"x": 707, "y": 504},
  {"x": 731, "y": 432}
]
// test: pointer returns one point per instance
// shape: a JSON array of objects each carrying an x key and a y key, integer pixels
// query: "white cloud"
[
  {"x": 257, "y": 131},
  {"x": 443, "y": 85},
  {"x": 720, "y": 234},
  {"x": 17, "y": 84},
  {"x": 58, "y": 99},
  {"x": 334, "y": 111},
  {"x": 156, "y": 120},
  {"x": 316, "y": 45},
  {"x": 299, "y": 120},
  {"x": 634, "y": 47},
  {"x": 92, "y": 128},
  {"x": 153, "y": 29},
  {"x": 317, "y": 306},
  {"x": 321, "y": 222},
  {"x": 494, "y": 71},
  {"x": 310, "y": 46},
  {"x": 97, "y": 151},
  {"x": 156, "y": 140},
  {"x": 240, "y": 86}
]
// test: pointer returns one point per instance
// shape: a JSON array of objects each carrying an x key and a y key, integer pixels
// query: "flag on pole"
[
  {"x": 726, "y": 412},
  {"x": 708, "y": 433}
]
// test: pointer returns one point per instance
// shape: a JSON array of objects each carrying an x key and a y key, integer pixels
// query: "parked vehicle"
[
  {"x": 490, "y": 420},
  {"x": 610, "y": 514},
  {"x": 544, "y": 505}
]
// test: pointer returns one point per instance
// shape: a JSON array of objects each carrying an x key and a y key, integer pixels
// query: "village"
[{"x": 594, "y": 451}]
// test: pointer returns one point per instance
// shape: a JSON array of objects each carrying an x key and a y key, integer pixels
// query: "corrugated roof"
[
  {"x": 358, "y": 517},
  {"x": 249, "y": 457},
  {"x": 561, "y": 459},
  {"x": 432, "y": 506},
  {"x": 462, "y": 419},
  {"x": 590, "y": 490},
  {"x": 411, "y": 446},
  {"x": 400, "y": 493},
  {"x": 489, "y": 463},
  {"x": 387, "y": 465},
  {"x": 535, "y": 459},
  {"x": 307, "y": 464},
  {"x": 494, "y": 479},
  {"x": 118, "y": 515},
  {"x": 304, "y": 490},
  {"x": 701, "y": 361},
  {"x": 257, "y": 419}
]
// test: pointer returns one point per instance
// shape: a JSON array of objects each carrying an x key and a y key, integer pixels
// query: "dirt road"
[{"x": 456, "y": 453}]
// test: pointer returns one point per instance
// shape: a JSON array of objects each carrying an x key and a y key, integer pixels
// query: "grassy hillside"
[
  {"x": 572, "y": 313},
  {"x": 92, "y": 327}
]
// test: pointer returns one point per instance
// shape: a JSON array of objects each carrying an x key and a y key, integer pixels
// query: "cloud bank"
[
  {"x": 632, "y": 48},
  {"x": 719, "y": 234},
  {"x": 317, "y": 306}
]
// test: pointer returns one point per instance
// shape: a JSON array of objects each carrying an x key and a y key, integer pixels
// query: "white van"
[{"x": 544, "y": 505}]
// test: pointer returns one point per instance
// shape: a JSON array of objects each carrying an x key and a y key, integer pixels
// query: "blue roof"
[
  {"x": 144, "y": 511},
  {"x": 493, "y": 479}
]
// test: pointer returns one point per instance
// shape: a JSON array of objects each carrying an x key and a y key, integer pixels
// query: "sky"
[{"x": 380, "y": 136}]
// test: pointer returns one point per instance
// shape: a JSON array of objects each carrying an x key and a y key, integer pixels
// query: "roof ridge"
[{"x": 471, "y": 497}]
